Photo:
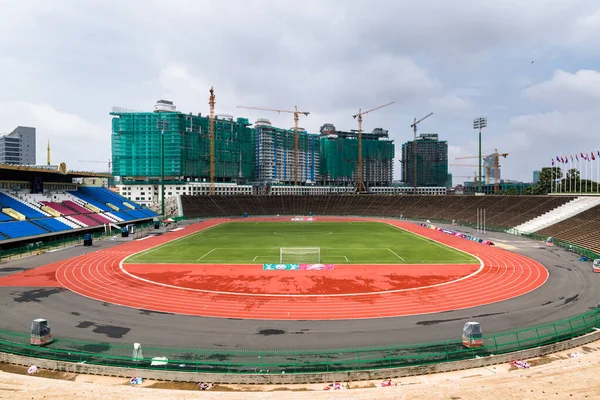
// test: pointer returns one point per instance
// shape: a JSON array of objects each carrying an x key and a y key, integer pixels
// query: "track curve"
[{"x": 504, "y": 275}]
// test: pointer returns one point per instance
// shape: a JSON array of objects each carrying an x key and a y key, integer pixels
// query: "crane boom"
[
  {"x": 359, "y": 180},
  {"x": 296, "y": 118},
  {"x": 414, "y": 124}
]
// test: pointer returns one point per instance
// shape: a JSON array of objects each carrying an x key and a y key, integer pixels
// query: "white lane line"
[
  {"x": 206, "y": 254},
  {"x": 396, "y": 255}
]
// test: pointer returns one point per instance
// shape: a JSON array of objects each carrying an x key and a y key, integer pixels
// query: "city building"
[
  {"x": 536, "y": 176},
  {"x": 18, "y": 147},
  {"x": 339, "y": 157},
  {"x": 432, "y": 161},
  {"x": 137, "y": 148},
  {"x": 275, "y": 154}
]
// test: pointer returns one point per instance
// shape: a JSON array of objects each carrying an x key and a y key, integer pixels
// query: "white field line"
[
  {"x": 396, "y": 255},
  {"x": 206, "y": 254}
]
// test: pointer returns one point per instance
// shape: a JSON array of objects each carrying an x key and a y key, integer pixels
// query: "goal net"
[{"x": 300, "y": 255}]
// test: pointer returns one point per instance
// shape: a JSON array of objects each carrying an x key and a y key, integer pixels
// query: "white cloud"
[
  {"x": 578, "y": 91},
  {"x": 71, "y": 137}
]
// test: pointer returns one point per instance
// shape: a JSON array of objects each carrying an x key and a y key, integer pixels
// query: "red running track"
[{"x": 99, "y": 276}]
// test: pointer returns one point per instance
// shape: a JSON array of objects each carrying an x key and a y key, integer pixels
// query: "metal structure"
[
  {"x": 359, "y": 181},
  {"x": 162, "y": 125},
  {"x": 296, "y": 119},
  {"x": 48, "y": 158},
  {"x": 87, "y": 161},
  {"x": 479, "y": 123},
  {"x": 496, "y": 156},
  {"x": 414, "y": 126},
  {"x": 211, "y": 130}
]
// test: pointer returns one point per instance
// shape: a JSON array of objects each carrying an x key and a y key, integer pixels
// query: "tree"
[
  {"x": 511, "y": 191},
  {"x": 545, "y": 183}
]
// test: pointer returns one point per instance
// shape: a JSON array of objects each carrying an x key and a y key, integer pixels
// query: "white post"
[{"x": 484, "y": 221}]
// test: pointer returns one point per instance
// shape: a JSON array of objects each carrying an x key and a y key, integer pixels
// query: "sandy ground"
[{"x": 560, "y": 376}]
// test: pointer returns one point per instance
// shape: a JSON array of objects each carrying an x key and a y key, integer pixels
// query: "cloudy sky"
[{"x": 530, "y": 67}]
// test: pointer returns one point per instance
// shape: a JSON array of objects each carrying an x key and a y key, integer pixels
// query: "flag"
[
  {"x": 577, "y": 158},
  {"x": 553, "y": 162},
  {"x": 571, "y": 158},
  {"x": 598, "y": 153},
  {"x": 593, "y": 158}
]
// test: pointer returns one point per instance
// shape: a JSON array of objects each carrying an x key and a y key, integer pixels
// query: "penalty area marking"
[
  {"x": 206, "y": 254},
  {"x": 396, "y": 255}
]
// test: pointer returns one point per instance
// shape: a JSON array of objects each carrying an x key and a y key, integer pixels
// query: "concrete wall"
[{"x": 300, "y": 378}]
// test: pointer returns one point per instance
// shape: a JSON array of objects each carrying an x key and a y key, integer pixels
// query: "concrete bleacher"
[
  {"x": 501, "y": 211},
  {"x": 580, "y": 229}
]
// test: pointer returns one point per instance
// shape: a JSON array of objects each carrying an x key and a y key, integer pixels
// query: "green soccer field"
[{"x": 303, "y": 242}]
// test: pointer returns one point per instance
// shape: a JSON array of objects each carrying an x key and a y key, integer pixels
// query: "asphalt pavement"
[{"x": 572, "y": 288}]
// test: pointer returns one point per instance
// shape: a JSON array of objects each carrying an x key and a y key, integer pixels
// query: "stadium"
[{"x": 285, "y": 289}]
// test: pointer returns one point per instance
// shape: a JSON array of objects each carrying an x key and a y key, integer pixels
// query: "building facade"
[
  {"x": 275, "y": 154},
  {"x": 339, "y": 157},
  {"x": 432, "y": 161},
  {"x": 18, "y": 147},
  {"x": 140, "y": 139}
]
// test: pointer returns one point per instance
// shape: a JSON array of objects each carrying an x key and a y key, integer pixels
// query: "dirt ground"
[{"x": 568, "y": 375}]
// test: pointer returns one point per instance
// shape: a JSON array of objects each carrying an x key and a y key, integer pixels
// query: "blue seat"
[
  {"x": 20, "y": 229},
  {"x": 88, "y": 199},
  {"x": 29, "y": 212},
  {"x": 52, "y": 224},
  {"x": 5, "y": 218}
]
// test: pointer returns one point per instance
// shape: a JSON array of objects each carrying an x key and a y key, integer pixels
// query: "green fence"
[
  {"x": 68, "y": 241},
  {"x": 217, "y": 360}
]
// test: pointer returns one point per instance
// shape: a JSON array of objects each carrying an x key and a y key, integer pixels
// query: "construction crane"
[
  {"x": 359, "y": 182},
  {"x": 488, "y": 169},
  {"x": 414, "y": 126},
  {"x": 496, "y": 156},
  {"x": 99, "y": 162},
  {"x": 211, "y": 132},
  {"x": 296, "y": 119}
]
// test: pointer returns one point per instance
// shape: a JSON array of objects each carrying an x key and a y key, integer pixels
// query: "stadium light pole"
[
  {"x": 480, "y": 123},
  {"x": 162, "y": 125}
]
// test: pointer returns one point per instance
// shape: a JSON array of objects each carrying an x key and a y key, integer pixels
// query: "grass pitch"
[{"x": 339, "y": 243}]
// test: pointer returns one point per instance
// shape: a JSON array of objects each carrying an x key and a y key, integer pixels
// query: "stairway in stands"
[{"x": 561, "y": 213}]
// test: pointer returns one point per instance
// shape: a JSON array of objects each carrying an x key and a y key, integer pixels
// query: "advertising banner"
[{"x": 280, "y": 267}]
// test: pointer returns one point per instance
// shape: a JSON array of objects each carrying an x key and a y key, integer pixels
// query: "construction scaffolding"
[
  {"x": 339, "y": 157},
  {"x": 137, "y": 153}
]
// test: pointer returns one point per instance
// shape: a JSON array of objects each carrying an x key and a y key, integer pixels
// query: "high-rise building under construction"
[
  {"x": 276, "y": 158},
  {"x": 243, "y": 154},
  {"x": 432, "y": 161}
]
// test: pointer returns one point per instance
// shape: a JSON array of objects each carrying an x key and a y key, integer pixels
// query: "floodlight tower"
[{"x": 479, "y": 123}]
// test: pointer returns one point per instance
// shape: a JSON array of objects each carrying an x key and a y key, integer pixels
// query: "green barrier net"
[{"x": 215, "y": 360}]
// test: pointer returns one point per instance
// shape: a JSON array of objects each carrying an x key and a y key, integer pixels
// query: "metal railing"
[
  {"x": 40, "y": 247},
  {"x": 254, "y": 361}
]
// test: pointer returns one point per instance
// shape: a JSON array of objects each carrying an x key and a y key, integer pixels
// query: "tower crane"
[
  {"x": 488, "y": 169},
  {"x": 296, "y": 113},
  {"x": 496, "y": 156},
  {"x": 414, "y": 126},
  {"x": 359, "y": 182},
  {"x": 99, "y": 162}
]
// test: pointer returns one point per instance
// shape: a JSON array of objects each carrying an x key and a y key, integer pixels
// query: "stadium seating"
[
  {"x": 20, "y": 229},
  {"x": 501, "y": 211},
  {"x": 51, "y": 224},
  {"x": 5, "y": 218},
  {"x": 106, "y": 196},
  {"x": 61, "y": 208},
  {"x": 89, "y": 200},
  {"x": 17, "y": 205},
  {"x": 581, "y": 229}
]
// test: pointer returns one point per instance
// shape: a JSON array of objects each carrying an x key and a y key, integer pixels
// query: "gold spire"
[{"x": 48, "y": 151}]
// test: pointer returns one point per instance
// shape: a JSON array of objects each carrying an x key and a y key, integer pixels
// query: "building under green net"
[
  {"x": 432, "y": 161},
  {"x": 339, "y": 157},
  {"x": 137, "y": 148},
  {"x": 262, "y": 154}
]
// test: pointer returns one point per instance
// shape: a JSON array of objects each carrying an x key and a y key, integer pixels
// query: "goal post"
[{"x": 299, "y": 255}]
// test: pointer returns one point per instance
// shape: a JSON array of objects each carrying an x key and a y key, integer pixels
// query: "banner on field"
[
  {"x": 316, "y": 267},
  {"x": 296, "y": 267},
  {"x": 305, "y": 219},
  {"x": 280, "y": 267}
]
